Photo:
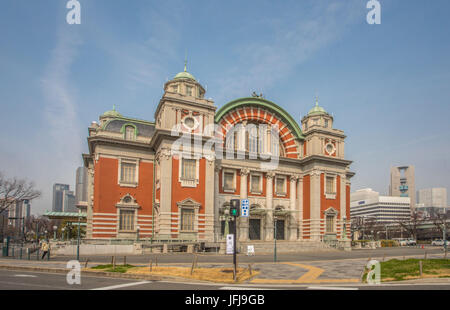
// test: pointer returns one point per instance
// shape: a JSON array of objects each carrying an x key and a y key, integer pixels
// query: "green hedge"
[{"x": 389, "y": 243}]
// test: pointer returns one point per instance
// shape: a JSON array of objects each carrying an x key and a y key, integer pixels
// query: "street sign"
[
  {"x": 230, "y": 244},
  {"x": 250, "y": 250},
  {"x": 245, "y": 208}
]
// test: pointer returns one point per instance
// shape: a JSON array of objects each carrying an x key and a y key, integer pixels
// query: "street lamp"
[
  {"x": 137, "y": 235},
  {"x": 78, "y": 241},
  {"x": 46, "y": 237},
  {"x": 62, "y": 232}
]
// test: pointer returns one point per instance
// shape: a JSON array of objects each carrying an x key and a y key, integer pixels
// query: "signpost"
[
  {"x": 245, "y": 208},
  {"x": 230, "y": 243},
  {"x": 250, "y": 250},
  {"x": 234, "y": 211}
]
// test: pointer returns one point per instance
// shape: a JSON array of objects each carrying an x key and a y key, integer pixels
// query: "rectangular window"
[
  {"x": 175, "y": 88},
  {"x": 252, "y": 139},
  {"x": 330, "y": 185},
  {"x": 280, "y": 186},
  {"x": 187, "y": 219},
  {"x": 255, "y": 184},
  {"x": 189, "y": 90},
  {"x": 128, "y": 173},
  {"x": 228, "y": 181},
  {"x": 126, "y": 220},
  {"x": 129, "y": 133},
  {"x": 330, "y": 224},
  {"x": 188, "y": 169},
  {"x": 326, "y": 123}
]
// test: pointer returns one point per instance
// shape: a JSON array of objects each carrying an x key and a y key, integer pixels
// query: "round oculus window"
[
  {"x": 330, "y": 148},
  {"x": 189, "y": 122}
]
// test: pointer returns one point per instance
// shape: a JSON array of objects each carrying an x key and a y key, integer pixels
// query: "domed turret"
[
  {"x": 112, "y": 113},
  {"x": 184, "y": 74},
  {"x": 317, "y": 109}
]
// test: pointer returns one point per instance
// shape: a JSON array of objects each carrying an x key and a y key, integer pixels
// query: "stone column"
[
  {"x": 210, "y": 216},
  {"x": 269, "y": 207},
  {"x": 217, "y": 169},
  {"x": 342, "y": 213},
  {"x": 90, "y": 201},
  {"x": 243, "y": 221},
  {"x": 165, "y": 214},
  {"x": 292, "y": 208},
  {"x": 315, "y": 205},
  {"x": 300, "y": 207}
]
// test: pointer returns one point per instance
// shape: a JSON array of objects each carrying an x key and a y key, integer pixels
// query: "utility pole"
[{"x": 444, "y": 236}]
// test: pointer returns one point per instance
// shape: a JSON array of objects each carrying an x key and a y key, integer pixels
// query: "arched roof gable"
[{"x": 265, "y": 104}]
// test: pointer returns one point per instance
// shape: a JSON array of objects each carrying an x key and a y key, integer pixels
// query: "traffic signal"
[{"x": 235, "y": 207}]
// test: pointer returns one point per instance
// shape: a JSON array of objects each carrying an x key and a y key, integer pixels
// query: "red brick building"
[{"x": 174, "y": 177}]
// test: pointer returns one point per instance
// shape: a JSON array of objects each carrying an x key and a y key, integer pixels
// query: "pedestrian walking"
[{"x": 45, "y": 247}]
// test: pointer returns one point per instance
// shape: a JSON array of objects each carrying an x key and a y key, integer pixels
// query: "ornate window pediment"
[
  {"x": 127, "y": 201},
  {"x": 331, "y": 212},
  {"x": 256, "y": 209},
  {"x": 280, "y": 211},
  {"x": 189, "y": 202}
]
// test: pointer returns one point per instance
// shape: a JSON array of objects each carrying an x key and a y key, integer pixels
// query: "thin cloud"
[
  {"x": 60, "y": 143},
  {"x": 297, "y": 39}
]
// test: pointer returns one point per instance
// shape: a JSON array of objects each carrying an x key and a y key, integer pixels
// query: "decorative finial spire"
[
  {"x": 185, "y": 61},
  {"x": 114, "y": 107},
  {"x": 317, "y": 101}
]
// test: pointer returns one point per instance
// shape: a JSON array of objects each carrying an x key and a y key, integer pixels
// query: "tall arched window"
[
  {"x": 129, "y": 133},
  {"x": 255, "y": 138}
]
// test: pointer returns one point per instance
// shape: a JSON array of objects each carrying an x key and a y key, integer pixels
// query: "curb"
[{"x": 99, "y": 273}]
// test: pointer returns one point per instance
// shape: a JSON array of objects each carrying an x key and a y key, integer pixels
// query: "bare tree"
[
  {"x": 412, "y": 225},
  {"x": 13, "y": 190},
  {"x": 440, "y": 221}
]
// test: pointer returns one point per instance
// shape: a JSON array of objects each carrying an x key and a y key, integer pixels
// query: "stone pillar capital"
[
  {"x": 270, "y": 175},
  {"x": 294, "y": 177},
  {"x": 245, "y": 171},
  {"x": 217, "y": 168}
]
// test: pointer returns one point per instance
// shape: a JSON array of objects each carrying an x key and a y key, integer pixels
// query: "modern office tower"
[
  {"x": 58, "y": 196},
  {"x": 81, "y": 185},
  {"x": 26, "y": 207},
  {"x": 403, "y": 184},
  {"x": 385, "y": 209},
  {"x": 432, "y": 197},
  {"x": 69, "y": 204}
]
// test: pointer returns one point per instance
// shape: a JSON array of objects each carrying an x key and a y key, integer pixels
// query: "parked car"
[
  {"x": 411, "y": 242},
  {"x": 437, "y": 242},
  {"x": 403, "y": 242}
]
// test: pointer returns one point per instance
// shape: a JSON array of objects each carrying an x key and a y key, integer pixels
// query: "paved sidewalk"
[
  {"x": 269, "y": 272},
  {"x": 304, "y": 272}
]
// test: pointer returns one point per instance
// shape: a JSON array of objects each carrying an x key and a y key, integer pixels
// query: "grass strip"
[{"x": 398, "y": 270}]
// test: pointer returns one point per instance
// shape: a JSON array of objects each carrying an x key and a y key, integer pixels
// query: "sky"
[{"x": 387, "y": 85}]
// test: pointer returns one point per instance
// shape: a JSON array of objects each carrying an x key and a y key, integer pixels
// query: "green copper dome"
[
  {"x": 317, "y": 109},
  {"x": 112, "y": 113},
  {"x": 184, "y": 75}
]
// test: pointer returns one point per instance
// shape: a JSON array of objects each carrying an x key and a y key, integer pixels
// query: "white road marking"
[
  {"x": 332, "y": 288},
  {"x": 25, "y": 275},
  {"x": 237, "y": 288},
  {"x": 113, "y": 287}
]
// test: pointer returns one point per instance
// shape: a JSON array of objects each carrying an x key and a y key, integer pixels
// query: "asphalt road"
[
  {"x": 25, "y": 280},
  {"x": 260, "y": 258}
]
